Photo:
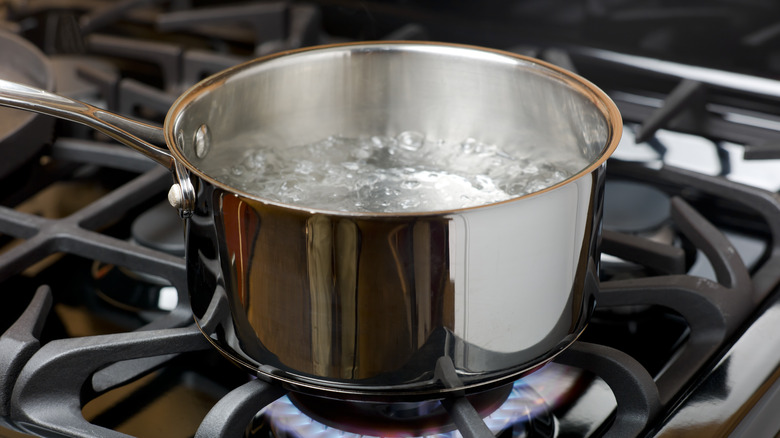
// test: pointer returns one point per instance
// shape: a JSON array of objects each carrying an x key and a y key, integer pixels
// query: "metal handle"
[
  {"x": 127, "y": 131},
  {"x": 132, "y": 133}
]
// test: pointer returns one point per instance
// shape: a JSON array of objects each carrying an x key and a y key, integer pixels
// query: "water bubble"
[
  {"x": 411, "y": 140},
  {"x": 410, "y": 203},
  {"x": 304, "y": 167},
  {"x": 378, "y": 142},
  {"x": 389, "y": 191},
  {"x": 468, "y": 145},
  {"x": 252, "y": 162},
  {"x": 481, "y": 182},
  {"x": 362, "y": 153},
  {"x": 370, "y": 179},
  {"x": 516, "y": 188},
  {"x": 503, "y": 154},
  {"x": 410, "y": 184}
]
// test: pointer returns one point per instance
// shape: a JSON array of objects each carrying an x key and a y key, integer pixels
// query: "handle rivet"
[{"x": 175, "y": 196}]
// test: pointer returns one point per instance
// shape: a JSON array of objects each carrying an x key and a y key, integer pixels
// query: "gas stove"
[{"x": 98, "y": 338}]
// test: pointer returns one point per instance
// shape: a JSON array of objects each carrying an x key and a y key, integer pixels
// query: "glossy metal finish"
[
  {"x": 369, "y": 304},
  {"x": 118, "y": 127},
  {"x": 362, "y": 305},
  {"x": 135, "y": 134},
  {"x": 407, "y": 305}
]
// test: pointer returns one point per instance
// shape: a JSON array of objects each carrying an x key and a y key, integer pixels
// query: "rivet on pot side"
[{"x": 202, "y": 141}]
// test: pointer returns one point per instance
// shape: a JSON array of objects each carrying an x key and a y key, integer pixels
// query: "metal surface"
[
  {"x": 367, "y": 304},
  {"x": 34, "y": 99},
  {"x": 755, "y": 85},
  {"x": 362, "y": 304},
  {"x": 135, "y": 134}
]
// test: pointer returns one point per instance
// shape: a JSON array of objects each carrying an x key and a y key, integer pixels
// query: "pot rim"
[{"x": 586, "y": 88}]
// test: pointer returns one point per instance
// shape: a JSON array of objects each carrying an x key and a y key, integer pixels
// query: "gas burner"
[
  {"x": 159, "y": 228},
  {"x": 525, "y": 408},
  {"x": 380, "y": 419},
  {"x": 640, "y": 210},
  {"x": 632, "y": 207},
  {"x": 509, "y": 408}
]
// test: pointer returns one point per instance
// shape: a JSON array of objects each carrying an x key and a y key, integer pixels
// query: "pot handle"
[{"x": 132, "y": 133}]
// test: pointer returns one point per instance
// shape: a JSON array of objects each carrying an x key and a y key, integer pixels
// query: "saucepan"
[{"x": 399, "y": 304}]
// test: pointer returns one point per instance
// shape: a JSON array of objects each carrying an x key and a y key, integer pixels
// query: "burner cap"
[
  {"x": 160, "y": 228},
  {"x": 633, "y": 207},
  {"x": 393, "y": 419}
]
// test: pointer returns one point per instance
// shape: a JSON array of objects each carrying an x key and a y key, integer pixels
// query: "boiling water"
[{"x": 406, "y": 173}]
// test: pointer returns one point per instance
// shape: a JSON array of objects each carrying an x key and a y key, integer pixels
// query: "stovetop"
[{"x": 98, "y": 337}]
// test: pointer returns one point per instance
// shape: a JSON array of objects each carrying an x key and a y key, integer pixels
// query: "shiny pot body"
[
  {"x": 358, "y": 306},
  {"x": 407, "y": 304}
]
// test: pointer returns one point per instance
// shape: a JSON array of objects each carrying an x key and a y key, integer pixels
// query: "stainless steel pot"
[{"x": 400, "y": 305}]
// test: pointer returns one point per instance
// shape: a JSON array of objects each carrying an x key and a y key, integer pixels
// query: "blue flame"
[{"x": 524, "y": 403}]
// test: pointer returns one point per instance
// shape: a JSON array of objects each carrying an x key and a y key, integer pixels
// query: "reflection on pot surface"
[{"x": 346, "y": 301}]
